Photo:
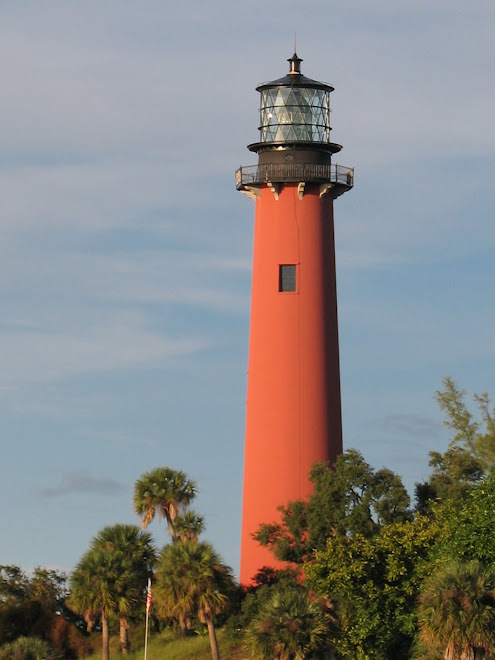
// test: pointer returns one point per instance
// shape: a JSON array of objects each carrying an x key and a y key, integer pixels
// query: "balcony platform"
[{"x": 332, "y": 179}]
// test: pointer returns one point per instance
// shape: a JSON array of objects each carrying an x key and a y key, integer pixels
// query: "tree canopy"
[
  {"x": 470, "y": 456},
  {"x": 166, "y": 493},
  {"x": 467, "y": 529},
  {"x": 374, "y": 582},
  {"x": 358, "y": 559},
  {"x": 133, "y": 552},
  {"x": 192, "y": 581},
  {"x": 291, "y": 626},
  {"x": 457, "y": 610},
  {"x": 350, "y": 498},
  {"x": 111, "y": 577},
  {"x": 476, "y": 435}
]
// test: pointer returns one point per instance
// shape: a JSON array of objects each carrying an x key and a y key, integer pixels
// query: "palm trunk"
[
  {"x": 124, "y": 635},
  {"x": 105, "y": 639},
  {"x": 172, "y": 531},
  {"x": 451, "y": 652},
  {"x": 183, "y": 624},
  {"x": 213, "y": 638},
  {"x": 89, "y": 617}
]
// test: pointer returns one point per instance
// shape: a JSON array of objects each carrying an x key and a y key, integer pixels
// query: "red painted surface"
[{"x": 293, "y": 396}]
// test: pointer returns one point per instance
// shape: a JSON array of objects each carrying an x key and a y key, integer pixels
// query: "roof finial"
[{"x": 295, "y": 61}]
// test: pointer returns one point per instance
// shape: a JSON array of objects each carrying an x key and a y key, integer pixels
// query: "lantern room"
[
  {"x": 294, "y": 144},
  {"x": 295, "y": 110}
]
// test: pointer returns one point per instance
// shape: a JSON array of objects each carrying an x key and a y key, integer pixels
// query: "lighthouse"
[{"x": 293, "y": 415}]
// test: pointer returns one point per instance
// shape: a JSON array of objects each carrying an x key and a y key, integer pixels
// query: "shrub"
[{"x": 28, "y": 648}]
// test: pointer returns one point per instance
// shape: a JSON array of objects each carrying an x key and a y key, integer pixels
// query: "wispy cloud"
[
  {"x": 125, "y": 249},
  {"x": 413, "y": 425},
  {"x": 108, "y": 342},
  {"x": 117, "y": 437},
  {"x": 73, "y": 483}
]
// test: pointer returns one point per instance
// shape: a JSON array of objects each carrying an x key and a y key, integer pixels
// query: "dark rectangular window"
[{"x": 287, "y": 277}]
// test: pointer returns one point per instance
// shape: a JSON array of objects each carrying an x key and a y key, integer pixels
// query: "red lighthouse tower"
[{"x": 293, "y": 394}]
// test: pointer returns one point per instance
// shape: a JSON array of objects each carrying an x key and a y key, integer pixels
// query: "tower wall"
[{"x": 293, "y": 396}]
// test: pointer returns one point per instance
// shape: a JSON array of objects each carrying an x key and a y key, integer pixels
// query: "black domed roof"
[{"x": 295, "y": 78}]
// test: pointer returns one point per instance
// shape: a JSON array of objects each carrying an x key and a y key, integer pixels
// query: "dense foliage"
[
  {"x": 457, "y": 610},
  {"x": 165, "y": 493},
  {"x": 374, "y": 583},
  {"x": 361, "y": 545},
  {"x": 34, "y": 607},
  {"x": 28, "y": 648},
  {"x": 291, "y": 625},
  {"x": 350, "y": 498},
  {"x": 368, "y": 577},
  {"x": 192, "y": 582}
]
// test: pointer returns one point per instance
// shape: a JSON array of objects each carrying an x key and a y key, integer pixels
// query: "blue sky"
[{"x": 125, "y": 250}]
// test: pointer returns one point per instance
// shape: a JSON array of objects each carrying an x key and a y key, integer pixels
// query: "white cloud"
[
  {"x": 86, "y": 197},
  {"x": 105, "y": 343},
  {"x": 413, "y": 425},
  {"x": 75, "y": 482}
]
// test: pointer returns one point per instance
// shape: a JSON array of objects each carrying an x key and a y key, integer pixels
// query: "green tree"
[
  {"x": 265, "y": 584},
  {"x": 467, "y": 529},
  {"x": 34, "y": 606},
  {"x": 14, "y": 584},
  {"x": 291, "y": 626},
  {"x": 21, "y": 619},
  {"x": 454, "y": 475},
  {"x": 46, "y": 586},
  {"x": 457, "y": 611},
  {"x": 133, "y": 552},
  {"x": 471, "y": 453},
  {"x": 375, "y": 582},
  {"x": 189, "y": 526},
  {"x": 50, "y": 587},
  {"x": 475, "y": 435},
  {"x": 110, "y": 579},
  {"x": 192, "y": 580},
  {"x": 94, "y": 587},
  {"x": 347, "y": 499},
  {"x": 164, "y": 492}
]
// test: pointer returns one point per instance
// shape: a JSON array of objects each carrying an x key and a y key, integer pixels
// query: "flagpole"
[{"x": 148, "y": 608}]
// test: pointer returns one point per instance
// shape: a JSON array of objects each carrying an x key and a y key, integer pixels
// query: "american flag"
[{"x": 149, "y": 599}]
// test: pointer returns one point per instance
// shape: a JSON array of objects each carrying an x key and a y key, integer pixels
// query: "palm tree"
[
  {"x": 290, "y": 626},
  {"x": 93, "y": 592},
  {"x": 165, "y": 492},
  {"x": 189, "y": 526},
  {"x": 134, "y": 553},
  {"x": 192, "y": 580},
  {"x": 111, "y": 578},
  {"x": 457, "y": 611}
]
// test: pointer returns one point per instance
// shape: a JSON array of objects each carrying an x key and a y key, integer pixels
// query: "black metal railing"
[{"x": 255, "y": 175}]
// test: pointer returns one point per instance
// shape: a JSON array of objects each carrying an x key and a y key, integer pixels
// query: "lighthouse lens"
[{"x": 295, "y": 114}]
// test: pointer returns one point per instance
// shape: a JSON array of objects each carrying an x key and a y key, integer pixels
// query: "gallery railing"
[{"x": 255, "y": 175}]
